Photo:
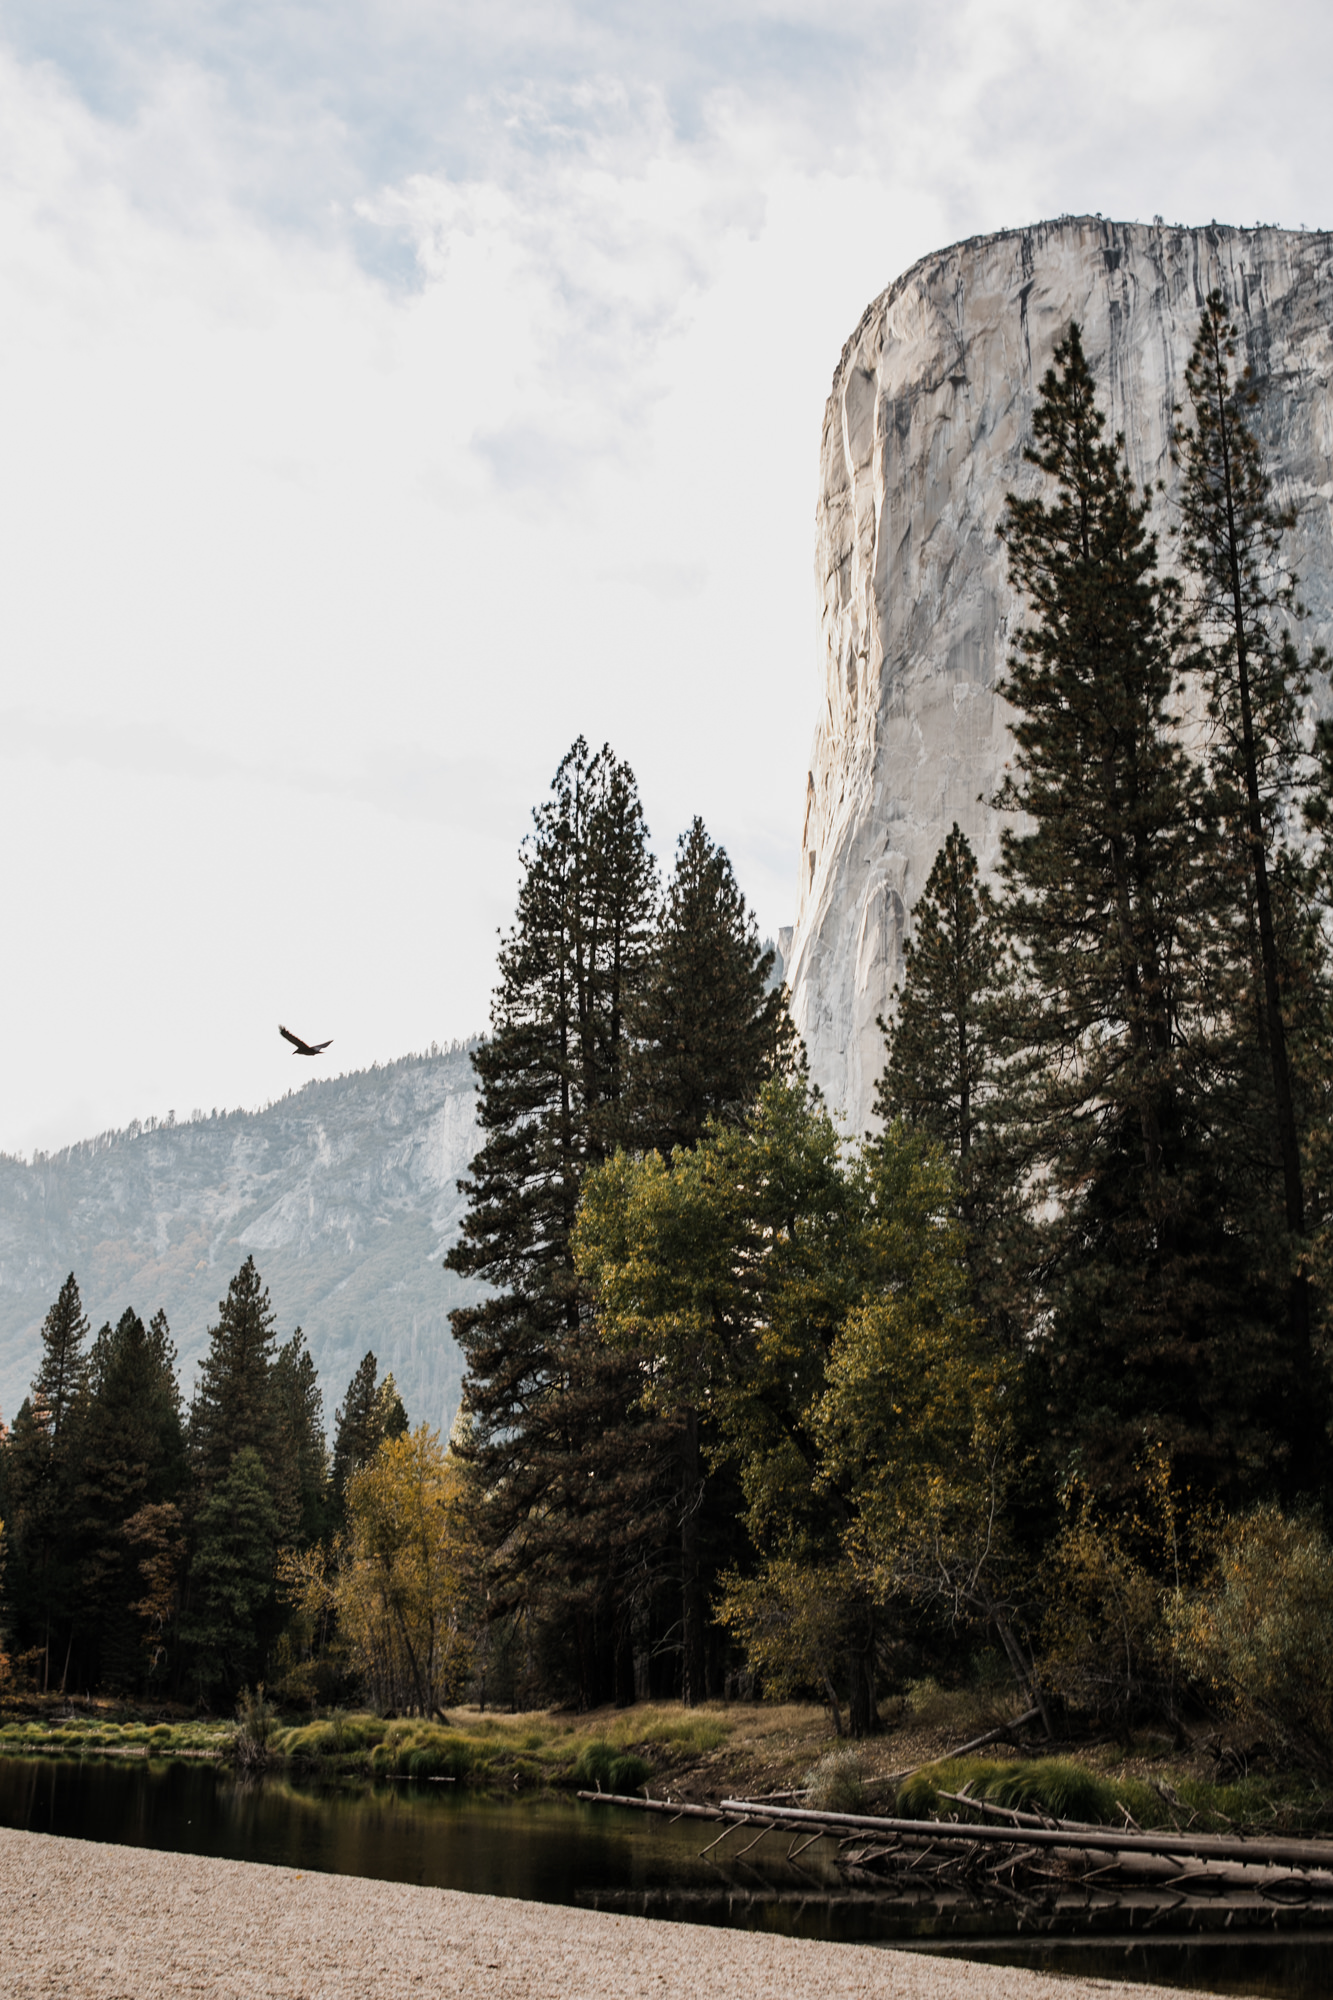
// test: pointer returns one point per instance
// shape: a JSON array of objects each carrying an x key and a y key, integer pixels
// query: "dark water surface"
[{"x": 557, "y": 1851}]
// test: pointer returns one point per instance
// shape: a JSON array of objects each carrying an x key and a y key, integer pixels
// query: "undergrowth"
[
  {"x": 836, "y": 1783},
  {"x": 96, "y": 1734},
  {"x": 515, "y": 1752},
  {"x": 1062, "y": 1789}
]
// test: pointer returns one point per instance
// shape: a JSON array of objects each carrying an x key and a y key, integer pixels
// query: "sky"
[{"x": 390, "y": 393}]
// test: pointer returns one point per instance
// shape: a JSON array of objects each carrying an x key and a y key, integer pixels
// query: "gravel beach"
[{"x": 125, "y": 1923}]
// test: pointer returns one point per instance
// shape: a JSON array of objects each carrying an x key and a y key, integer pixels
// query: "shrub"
[
  {"x": 256, "y": 1722},
  {"x": 1105, "y": 1644},
  {"x": 611, "y": 1770},
  {"x": 1260, "y": 1631},
  {"x": 835, "y": 1784},
  {"x": 1051, "y": 1785}
]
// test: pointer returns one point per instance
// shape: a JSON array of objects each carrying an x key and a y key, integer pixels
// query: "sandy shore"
[{"x": 124, "y": 1923}]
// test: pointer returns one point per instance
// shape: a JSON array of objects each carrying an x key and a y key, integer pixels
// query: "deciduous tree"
[{"x": 402, "y": 1590}]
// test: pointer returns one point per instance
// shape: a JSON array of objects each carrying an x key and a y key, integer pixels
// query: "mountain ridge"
[{"x": 344, "y": 1190}]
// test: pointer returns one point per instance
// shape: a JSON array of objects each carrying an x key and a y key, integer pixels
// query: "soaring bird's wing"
[
  {"x": 302, "y": 1048},
  {"x": 321, "y": 1046}
]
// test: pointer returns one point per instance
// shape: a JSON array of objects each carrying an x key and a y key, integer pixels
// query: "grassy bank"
[
  {"x": 718, "y": 1750},
  {"x": 617, "y": 1750},
  {"x": 95, "y": 1735}
]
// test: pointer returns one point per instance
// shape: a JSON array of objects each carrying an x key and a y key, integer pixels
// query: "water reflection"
[{"x": 562, "y": 1851}]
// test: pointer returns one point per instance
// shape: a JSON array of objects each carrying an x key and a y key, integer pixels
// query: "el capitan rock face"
[{"x": 923, "y": 437}]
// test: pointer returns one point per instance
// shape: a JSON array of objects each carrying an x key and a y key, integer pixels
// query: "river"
[{"x": 559, "y": 1851}]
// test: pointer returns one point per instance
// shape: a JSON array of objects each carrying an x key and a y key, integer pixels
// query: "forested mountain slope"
[{"x": 344, "y": 1191}]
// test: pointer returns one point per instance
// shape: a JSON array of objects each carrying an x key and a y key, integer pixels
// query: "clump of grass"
[
  {"x": 256, "y": 1726},
  {"x": 1055, "y": 1786},
  {"x": 836, "y": 1783},
  {"x": 611, "y": 1770}
]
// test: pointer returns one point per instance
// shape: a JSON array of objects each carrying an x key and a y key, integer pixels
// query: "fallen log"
[
  {"x": 1003, "y": 1732},
  {"x": 675, "y": 1807},
  {"x": 1038, "y": 1867},
  {"x": 1224, "y": 1847}
]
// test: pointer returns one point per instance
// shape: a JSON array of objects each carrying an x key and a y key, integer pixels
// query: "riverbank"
[
  {"x": 80, "y": 1920},
  {"x": 720, "y": 1750}
]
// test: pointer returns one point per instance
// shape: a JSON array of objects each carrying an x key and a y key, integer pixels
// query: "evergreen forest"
[{"x": 1032, "y": 1379}]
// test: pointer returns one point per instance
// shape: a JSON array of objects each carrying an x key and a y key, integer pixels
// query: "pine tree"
[
  {"x": 234, "y": 1406},
  {"x": 559, "y": 1449},
  {"x": 390, "y": 1410},
  {"x": 1257, "y": 686},
  {"x": 370, "y": 1412},
  {"x": 301, "y": 1490},
  {"x": 946, "y": 1060},
  {"x": 44, "y": 1464},
  {"x": 62, "y": 1379},
  {"x": 709, "y": 1031},
  {"x": 231, "y": 1578},
  {"x": 1111, "y": 897},
  {"x": 940, "y": 1054},
  {"x": 132, "y": 1456}
]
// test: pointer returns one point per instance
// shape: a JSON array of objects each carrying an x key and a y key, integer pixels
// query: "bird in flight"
[{"x": 301, "y": 1048}]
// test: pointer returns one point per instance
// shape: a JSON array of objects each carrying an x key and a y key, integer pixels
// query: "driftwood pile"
[{"x": 1043, "y": 1870}]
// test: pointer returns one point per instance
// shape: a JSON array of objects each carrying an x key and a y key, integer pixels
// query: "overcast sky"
[{"x": 392, "y": 391}]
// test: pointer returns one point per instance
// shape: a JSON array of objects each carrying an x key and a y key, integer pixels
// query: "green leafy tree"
[
  {"x": 1154, "y": 1325},
  {"x": 916, "y": 1423},
  {"x": 402, "y": 1590},
  {"x": 556, "y": 1435},
  {"x": 237, "y": 1531},
  {"x": 731, "y": 1267}
]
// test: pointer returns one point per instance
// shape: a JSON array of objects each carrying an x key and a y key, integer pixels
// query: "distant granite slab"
[
  {"x": 923, "y": 437},
  {"x": 345, "y": 1192}
]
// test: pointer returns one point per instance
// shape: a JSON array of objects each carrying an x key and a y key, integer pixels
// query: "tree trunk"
[
  {"x": 862, "y": 1705},
  {"x": 693, "y": 1668}
]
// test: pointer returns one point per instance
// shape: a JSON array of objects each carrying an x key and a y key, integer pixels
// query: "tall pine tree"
[
  {"x": 44, "y": 1461},
  {"x": 236, "y": 1438},
  {"x": 1154, "y": 1335},
  {"x": 132, "y": 1456},
  {"x": 709, "y": 1032},
  {"x": 946, "y": 1062},
  {"x": 1257, "y": 688},
  {"x": 370, "y": 1412},
  {"x": 562, "y": 1451},
  {"x": 301, "y": 1492},
  {"x": 234, "y": 1406},
  {"x": 940, "y": 1065},
  {"x": 709, "y": 1029}
]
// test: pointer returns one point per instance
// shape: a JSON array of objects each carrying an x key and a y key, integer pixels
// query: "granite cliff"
[
  {"x": 923, "y": 436},
  {"x": 344, "y": 1191}
]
